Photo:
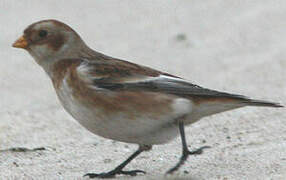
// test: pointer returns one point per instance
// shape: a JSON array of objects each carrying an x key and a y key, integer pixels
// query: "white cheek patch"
[
  {"x": 40, "y": 50},
  {"x": 42, "y": 54}
]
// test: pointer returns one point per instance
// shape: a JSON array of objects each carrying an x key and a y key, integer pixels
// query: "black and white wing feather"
[{"x": 125, "y": 76}]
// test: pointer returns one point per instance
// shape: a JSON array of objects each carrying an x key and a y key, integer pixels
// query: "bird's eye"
[{"x": 43, "y": 33}]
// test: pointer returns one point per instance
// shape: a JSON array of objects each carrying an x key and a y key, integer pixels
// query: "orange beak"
[{"x": 21, "y": 43}]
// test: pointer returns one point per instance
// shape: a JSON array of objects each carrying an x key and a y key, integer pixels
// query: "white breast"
[{"x": 119, "y": 126}]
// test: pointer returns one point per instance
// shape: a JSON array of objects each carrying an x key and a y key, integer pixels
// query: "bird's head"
[{"x": 49, "y": 41}]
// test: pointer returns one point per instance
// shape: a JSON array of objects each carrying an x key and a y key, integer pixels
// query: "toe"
[
  {"x": 132, "y": 173},
  {"x": 199, "y": 151}
]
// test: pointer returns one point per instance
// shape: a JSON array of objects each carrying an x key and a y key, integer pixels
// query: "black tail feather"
[{"x": 252, "y": 102}]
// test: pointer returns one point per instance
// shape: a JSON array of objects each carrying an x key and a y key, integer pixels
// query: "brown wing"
[{"x": 118, "y": 75}]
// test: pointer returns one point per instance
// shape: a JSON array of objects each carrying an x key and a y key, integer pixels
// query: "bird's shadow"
[{"x": 23, "y": 149}]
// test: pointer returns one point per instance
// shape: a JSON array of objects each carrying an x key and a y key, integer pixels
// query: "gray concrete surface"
[{"x": 235, "y": 46}]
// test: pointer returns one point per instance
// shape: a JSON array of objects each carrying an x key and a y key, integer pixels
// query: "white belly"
[{"x": 120, "y": 126}]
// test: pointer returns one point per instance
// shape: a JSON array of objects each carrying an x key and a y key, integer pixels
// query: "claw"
[
  {"x": 198, "y": 151},
  {"x": 112, "y": 174},
  {"x": 101, "y": 175},
  {"x": 132, "y": 173}
]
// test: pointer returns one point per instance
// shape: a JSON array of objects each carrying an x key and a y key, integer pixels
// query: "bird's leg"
[
  {"x": 118, "y": 169},
  {"x": 186, "y": 152}
]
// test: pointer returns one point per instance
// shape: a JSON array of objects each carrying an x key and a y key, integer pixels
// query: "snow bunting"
[{"x": 121, "y": 100}]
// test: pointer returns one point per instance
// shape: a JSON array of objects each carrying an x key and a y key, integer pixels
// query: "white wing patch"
[
  {"x": 158, "y": 78},
  {"x": 172, "y": 78},
  {"x": 83, "y": 72},
  {"x": 167, "y": 83},
  {"x": 182, "y": 106}
]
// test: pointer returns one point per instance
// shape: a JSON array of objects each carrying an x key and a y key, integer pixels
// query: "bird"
[{"x": 121, "y": 100}]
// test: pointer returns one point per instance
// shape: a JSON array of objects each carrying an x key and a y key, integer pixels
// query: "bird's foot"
[
  {"x": 112, "y": 174},
  {"x": 185, "y": 156}
]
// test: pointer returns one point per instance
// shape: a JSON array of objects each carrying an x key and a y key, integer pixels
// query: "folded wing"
[{"x": 124, "y": 76}]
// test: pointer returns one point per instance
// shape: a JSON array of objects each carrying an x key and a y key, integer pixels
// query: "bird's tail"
[
  {"x": 226, "y": 103},
  {"x": 253, "y": 102}
]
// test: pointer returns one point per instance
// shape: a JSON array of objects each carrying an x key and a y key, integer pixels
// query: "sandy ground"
[{"x": 234, "y": 46}]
